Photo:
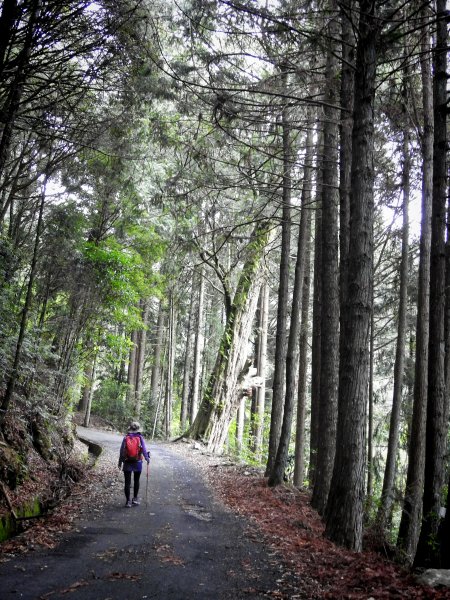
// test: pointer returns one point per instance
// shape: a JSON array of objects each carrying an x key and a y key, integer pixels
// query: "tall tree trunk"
[
  {"x": 316, "y": 317},
  {"x": 131, "y": 376},
  {"x": 221, "y": 395},
  {"x": 8, "y": 18},
  {"x": 88, "y": 377},
  {"x": 256, "y": 354},
  {"x": 387, "y": 494},
  {"x": 90, "y": 387},
  {"x": 198, "y": 348},
  {"x": 240, "y": 423},
  {"x": 444, "y": 526},
  {"x": 140, "y": 358},
  {"x": 261, "y": 369},
  {"x": 156, "y": 363},
  {"x": 329, "y": 274},
  {"x": 345, "y": 138},
  {"x": 370, "y": 403},
  {"x": 344, "y": 514},
  {"x": 276, "y": 416},
  {"x": 299, "y": 465},
  {"x": 437, "y": 411},
  {"x": 276, "y": 475},
  {"x": 409, "y": 524},
  {"x": 187, "y": 362},
  {"x": 168, "y": 401}
]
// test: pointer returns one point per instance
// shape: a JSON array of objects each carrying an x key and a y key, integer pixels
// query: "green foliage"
[
  {"x": 109, "y": 401},
  {"x": 118, "y": 278}
]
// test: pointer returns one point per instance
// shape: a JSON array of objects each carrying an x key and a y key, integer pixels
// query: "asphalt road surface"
[{"x": 180, "y": 545}]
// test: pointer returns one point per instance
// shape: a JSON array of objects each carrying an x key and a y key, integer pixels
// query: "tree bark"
[
  {"x": 299, "y": 464},
  {"x": 409, "y": 524},
  {"x": 261, "y": 369},
  {"x": 276, "y": 416},
  {"x": 90, "y": 388},
  {"x": 345, "y": 138},
  {"x": 387, "y": 494},
  {"x": 156, "y": 363},
  {"x": 221, "y": 395},
  {"x": 428, "y": 551},
  {"x": 131, "y": 375},
  {"x": 140, "y": 359},
  {"x": 187, "y": 363},
  {"x": 88, "y": 377},
  {"x": 276, "y": 475},
  {"x": 240, "y": 422},
  {"x": 329, "y": 278},
  {"x": 370, "y": 404},
  {"x": 168, "y": 400},
  {"x": 316, "y": 318},
  {"x": 344, "y": 514},
  {"x": 198, "y": 348}
]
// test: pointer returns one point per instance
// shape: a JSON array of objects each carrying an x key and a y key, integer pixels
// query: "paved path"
[{"x": 181, "y": 546}]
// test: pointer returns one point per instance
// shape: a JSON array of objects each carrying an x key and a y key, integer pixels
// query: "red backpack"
[{"x": 133, "y": 448}]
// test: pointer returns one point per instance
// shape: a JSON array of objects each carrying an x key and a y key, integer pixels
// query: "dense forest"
[{"x": 229, "y": 220}]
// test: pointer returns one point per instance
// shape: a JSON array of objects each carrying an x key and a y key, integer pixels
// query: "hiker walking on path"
[{"x": 132, "y": 451}]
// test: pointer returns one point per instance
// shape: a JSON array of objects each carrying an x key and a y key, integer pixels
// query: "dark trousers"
[{"x": 137, "y": 475}]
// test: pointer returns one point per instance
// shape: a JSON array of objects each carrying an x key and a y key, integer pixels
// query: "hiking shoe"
[
  {"x": 128, "y": 504},
  {"x": 136, "y": 501}
]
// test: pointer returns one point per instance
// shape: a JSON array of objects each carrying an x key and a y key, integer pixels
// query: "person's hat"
[{"x": 134, "y": 426}]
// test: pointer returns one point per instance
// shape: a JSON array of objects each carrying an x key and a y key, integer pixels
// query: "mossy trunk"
[{"x": 221, "y": 398}]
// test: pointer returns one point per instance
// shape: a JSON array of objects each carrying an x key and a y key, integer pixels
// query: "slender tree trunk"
[
  {"x": 316, "y": 317},
  {"x": 198, "y": 348},
  {"x": 240, "y": 423},
  {"x": 345, "y": 138},
  {"x": 168, "y": 402},
  {"x": 387, "y": 495},
  {"x": 444, "y": 526},
  {"x": 87, "y": 414},
  {"x": 330, "y": 284},
  {"x": 156, "y": 363},
  {"x": 299, "y": 465},
  {"x": 370, "y": 465},
  {"x": 276, "y": 476},
  {"x": 131, "y": 376},
  {"x": 140, "y": 358},
  {"x": 410, "y": 519},
  {"x": 187, "y": 363},
  {"x": 344, "y": 514},
  {"x": 276, "y": 416},
  {"x": 428, "y": 551},
  {"x": 88, "y": 377},
  {"x": 256, "y": 354},
  {"x": 261, "y": 366},
  {"x": 8, "y": 18}
]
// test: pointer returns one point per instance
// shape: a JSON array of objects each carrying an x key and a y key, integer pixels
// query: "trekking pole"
[{"x": 146, "y": 487}]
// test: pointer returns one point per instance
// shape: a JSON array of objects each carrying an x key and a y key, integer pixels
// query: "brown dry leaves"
[{"x": 318, "y": 568}]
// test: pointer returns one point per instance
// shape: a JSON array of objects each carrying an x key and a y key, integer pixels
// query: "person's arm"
[
  {"x": 121, "y": 453},
  {"x": 145, "y": 452}
]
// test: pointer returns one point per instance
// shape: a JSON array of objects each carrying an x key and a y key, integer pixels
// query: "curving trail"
[{"x": 182, "y": 545}]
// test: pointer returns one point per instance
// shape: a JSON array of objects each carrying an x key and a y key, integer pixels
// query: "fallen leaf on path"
[{"x": 113, "y": 576}]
